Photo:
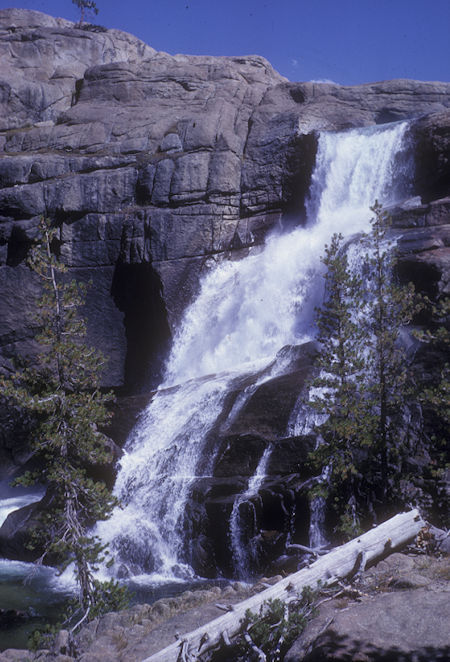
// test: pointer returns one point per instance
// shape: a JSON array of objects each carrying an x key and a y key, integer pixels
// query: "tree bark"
[{"x": 337, "y": 564}]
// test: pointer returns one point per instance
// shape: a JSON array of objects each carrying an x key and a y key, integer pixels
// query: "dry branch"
[{"x": 338, "y": 564}]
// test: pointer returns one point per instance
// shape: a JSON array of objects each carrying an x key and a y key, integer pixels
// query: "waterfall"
[
  {"x": 317, "y": 504},
  {"x": 245, "y": 313},
  {"x": 242, "y": 549}
]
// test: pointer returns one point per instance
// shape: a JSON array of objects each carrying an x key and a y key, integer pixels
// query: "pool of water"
[
  {"x": 29, "y": 595},
  {"x": 36, "y": 595}
]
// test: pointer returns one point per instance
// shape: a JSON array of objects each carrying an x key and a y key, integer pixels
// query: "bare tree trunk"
[{"x": 338, "y": 564}]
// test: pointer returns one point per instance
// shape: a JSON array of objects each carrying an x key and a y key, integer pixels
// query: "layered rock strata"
[{"x": 155, "y": 167}]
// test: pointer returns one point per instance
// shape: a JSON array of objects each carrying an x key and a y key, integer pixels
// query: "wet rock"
[
  {"x": 16, "y": 531},
  {"x": 240, "y": 456},
  {"x": 126, "y": 412},
  {"x": 202, "y": 556},
  {"x": 280, "y": 504},
  {"x": 288, "y": 563}
]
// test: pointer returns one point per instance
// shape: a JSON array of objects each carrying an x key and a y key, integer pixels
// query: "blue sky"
[{"x": 347, "y": 41}]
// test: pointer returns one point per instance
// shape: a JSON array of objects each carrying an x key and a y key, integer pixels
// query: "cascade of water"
[
  {"x": 241, "y": 549},
  {"x": 245, "y": 313},
  {"x": 155, "y": 474},
  {"x": 317, "y": 504}
]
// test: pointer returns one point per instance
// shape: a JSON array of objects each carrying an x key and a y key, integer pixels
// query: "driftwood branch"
[{"x": 341, "y": 562}]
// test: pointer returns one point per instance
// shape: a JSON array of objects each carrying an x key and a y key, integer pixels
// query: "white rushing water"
[
  {"x": 242, "y": 551},
  {"x": 245, "y": 313},
  {"x": 317, "y": 505}
]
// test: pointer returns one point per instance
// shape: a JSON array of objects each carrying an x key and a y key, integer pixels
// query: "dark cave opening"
[{"x": 137, "y": 292}]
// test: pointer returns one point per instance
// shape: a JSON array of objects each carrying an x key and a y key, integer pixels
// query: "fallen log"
[{"x": 340, "y": 563}]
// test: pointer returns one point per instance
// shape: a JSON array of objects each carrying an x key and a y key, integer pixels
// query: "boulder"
[
  {"x": 16, "y": 532},
  {"x": 390, "y": 627}
]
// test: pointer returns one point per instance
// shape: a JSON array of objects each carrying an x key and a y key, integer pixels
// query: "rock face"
[
  {"x": 268, "y": 517},
  {"x": 156, "y": 166},
  {"x": 402, "y": 615}
]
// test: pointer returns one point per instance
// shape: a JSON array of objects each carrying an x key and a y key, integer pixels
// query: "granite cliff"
[{"x": 155, "y": 167}]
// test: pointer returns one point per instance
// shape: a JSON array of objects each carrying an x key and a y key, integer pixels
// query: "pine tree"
[
  {"x": 438, "y": 336},
  {"x": 434, "y": 397},
  {"x": 85, "y": 6},
  {"x": 390, "y": 307},
  {"x": 61, "y": 390},
  {"x": 364, "y": 380},
  {"x": 336, "y": 392}
]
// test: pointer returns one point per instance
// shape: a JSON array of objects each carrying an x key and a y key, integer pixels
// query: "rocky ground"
[
  {"x": 136, "y": 633},
  {"x": 398, "y": 610}
]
